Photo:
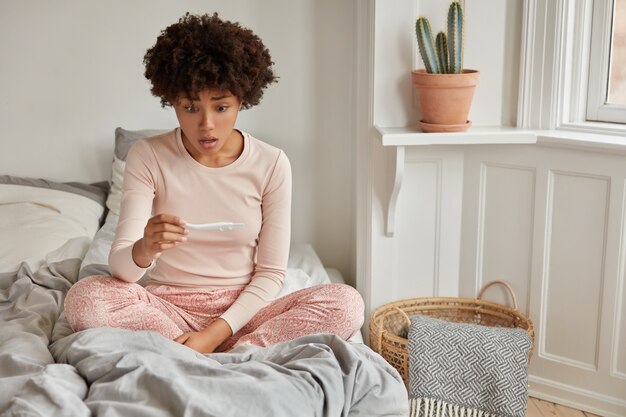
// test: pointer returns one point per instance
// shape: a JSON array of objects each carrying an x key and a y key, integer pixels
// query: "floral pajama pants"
[{"x": 101, "y": 301}]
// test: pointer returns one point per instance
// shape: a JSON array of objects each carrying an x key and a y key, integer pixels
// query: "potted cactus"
[{"x": 444, "y": 89}]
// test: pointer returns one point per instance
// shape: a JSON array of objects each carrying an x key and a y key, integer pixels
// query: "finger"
[
  {"x": 168, "y": 218},
  {"x": 166, "y": 228},
  {"x": 154, "y": 240},
  {"x": 163, "y": 246},
  {"x": 159, "y": 247},
  {"x": 168, "y": 237},
  {"x": 182, "y": 338}
]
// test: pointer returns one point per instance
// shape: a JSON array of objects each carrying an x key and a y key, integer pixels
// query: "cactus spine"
[{"x": 445, "y": 55}]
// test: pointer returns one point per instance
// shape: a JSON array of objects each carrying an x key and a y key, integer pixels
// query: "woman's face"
[{"x": 207, "y": 123}]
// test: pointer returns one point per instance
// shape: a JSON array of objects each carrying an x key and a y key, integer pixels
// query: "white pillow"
[
  {"x": 302, "y": 256},
  {"x": 295, "y": 279},
  {"x": 117, "y": 179},
  {"x": 35, "y": 221}
]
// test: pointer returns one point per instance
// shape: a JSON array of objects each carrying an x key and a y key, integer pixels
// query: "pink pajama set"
[{"x": 234, "y": 275}]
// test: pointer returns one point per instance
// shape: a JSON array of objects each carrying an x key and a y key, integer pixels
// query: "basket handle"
[
  {"x": 503, "y": 283},
  {"x": 403, "y": 314}
]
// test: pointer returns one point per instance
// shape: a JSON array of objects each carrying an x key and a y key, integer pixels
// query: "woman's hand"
[
  {"x": 163, "y": 231},
  {"x": 207, "y": 340}
]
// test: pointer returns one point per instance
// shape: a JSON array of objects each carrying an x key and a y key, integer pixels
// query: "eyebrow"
[
  {"x": 212, "y": 98},
  {"x": 220, "y": 97}
]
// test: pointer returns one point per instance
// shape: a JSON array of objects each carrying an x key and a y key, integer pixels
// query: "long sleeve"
[
  {"x": 135, "y": 209},
  {"x": 272, "y": 250}
]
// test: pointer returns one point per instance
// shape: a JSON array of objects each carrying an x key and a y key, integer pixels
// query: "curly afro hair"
[{"x": 201, "y": 52}]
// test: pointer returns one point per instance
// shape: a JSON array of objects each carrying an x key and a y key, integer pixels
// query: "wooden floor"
[{"x": 541, "y": 408}]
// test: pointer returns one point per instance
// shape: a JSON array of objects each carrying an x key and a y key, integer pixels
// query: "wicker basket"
[{"x": 389, "y": 323}]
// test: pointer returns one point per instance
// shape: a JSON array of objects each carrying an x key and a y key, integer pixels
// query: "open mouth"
[{"x": 208, "y": 143}]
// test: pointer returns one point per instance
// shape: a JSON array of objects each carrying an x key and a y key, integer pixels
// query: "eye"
[
  {"x": 191, "y": 108},
  {"x": 221, "y": 109}
]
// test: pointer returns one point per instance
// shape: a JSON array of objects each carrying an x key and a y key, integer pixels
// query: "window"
[
  {"x": 607, "y": 70},
  {"x": 617, "y": 79}
]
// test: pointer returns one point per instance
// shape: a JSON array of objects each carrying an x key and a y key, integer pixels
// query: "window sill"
[
  {"x": 476, "y": 135},
  {"x": 584, "y": 136},
  {"x": 594, "y": 136}
]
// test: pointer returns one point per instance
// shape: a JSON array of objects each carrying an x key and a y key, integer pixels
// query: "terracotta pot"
[{"x": 445, "y": 99}]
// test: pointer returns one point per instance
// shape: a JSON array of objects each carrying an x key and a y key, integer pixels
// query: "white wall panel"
[
  {"x": 572, "y": 286},
  {"x": 423, "y": 255},
  {"x": 618, "y": 345},
  {"x": 572, "y": 267},
  {"x": 417, "y": 240},
  {"x": 619, "y": 348},
  {"x": 506, "y": 213}
]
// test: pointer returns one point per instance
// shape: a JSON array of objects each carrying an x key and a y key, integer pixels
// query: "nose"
[{"x": 206, "y": 121}]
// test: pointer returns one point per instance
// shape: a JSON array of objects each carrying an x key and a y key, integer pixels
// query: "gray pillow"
[{"x": 124, "y": 139}]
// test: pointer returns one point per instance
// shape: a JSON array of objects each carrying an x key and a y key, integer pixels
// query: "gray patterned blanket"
[
  {"x": 458, "y": 369},
  {"x": 46, "y": 370}
]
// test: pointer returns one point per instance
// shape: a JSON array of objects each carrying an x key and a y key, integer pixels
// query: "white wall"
[{"x": 71, "y": 71}]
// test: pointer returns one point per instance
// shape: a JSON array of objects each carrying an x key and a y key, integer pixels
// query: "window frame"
[
  {"x": 599, "y": 70},
  {"x": 557, "y": 51}
]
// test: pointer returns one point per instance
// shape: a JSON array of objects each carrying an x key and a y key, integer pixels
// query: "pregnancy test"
[{"x": 216, "y": 227}]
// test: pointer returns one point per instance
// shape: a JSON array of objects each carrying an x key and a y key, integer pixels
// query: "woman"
[{"x": 209, "y": 290}]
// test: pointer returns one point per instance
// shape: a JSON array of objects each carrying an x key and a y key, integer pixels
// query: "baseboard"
[{"x": 574, "y": 397}]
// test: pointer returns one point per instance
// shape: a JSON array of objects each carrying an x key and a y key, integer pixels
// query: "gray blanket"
[
  {"x": 45, "y": 369},
  {"x": 467, "y": 368}
]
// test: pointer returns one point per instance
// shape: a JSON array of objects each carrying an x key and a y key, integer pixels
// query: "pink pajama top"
[{"x": 162, "y": 177}]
